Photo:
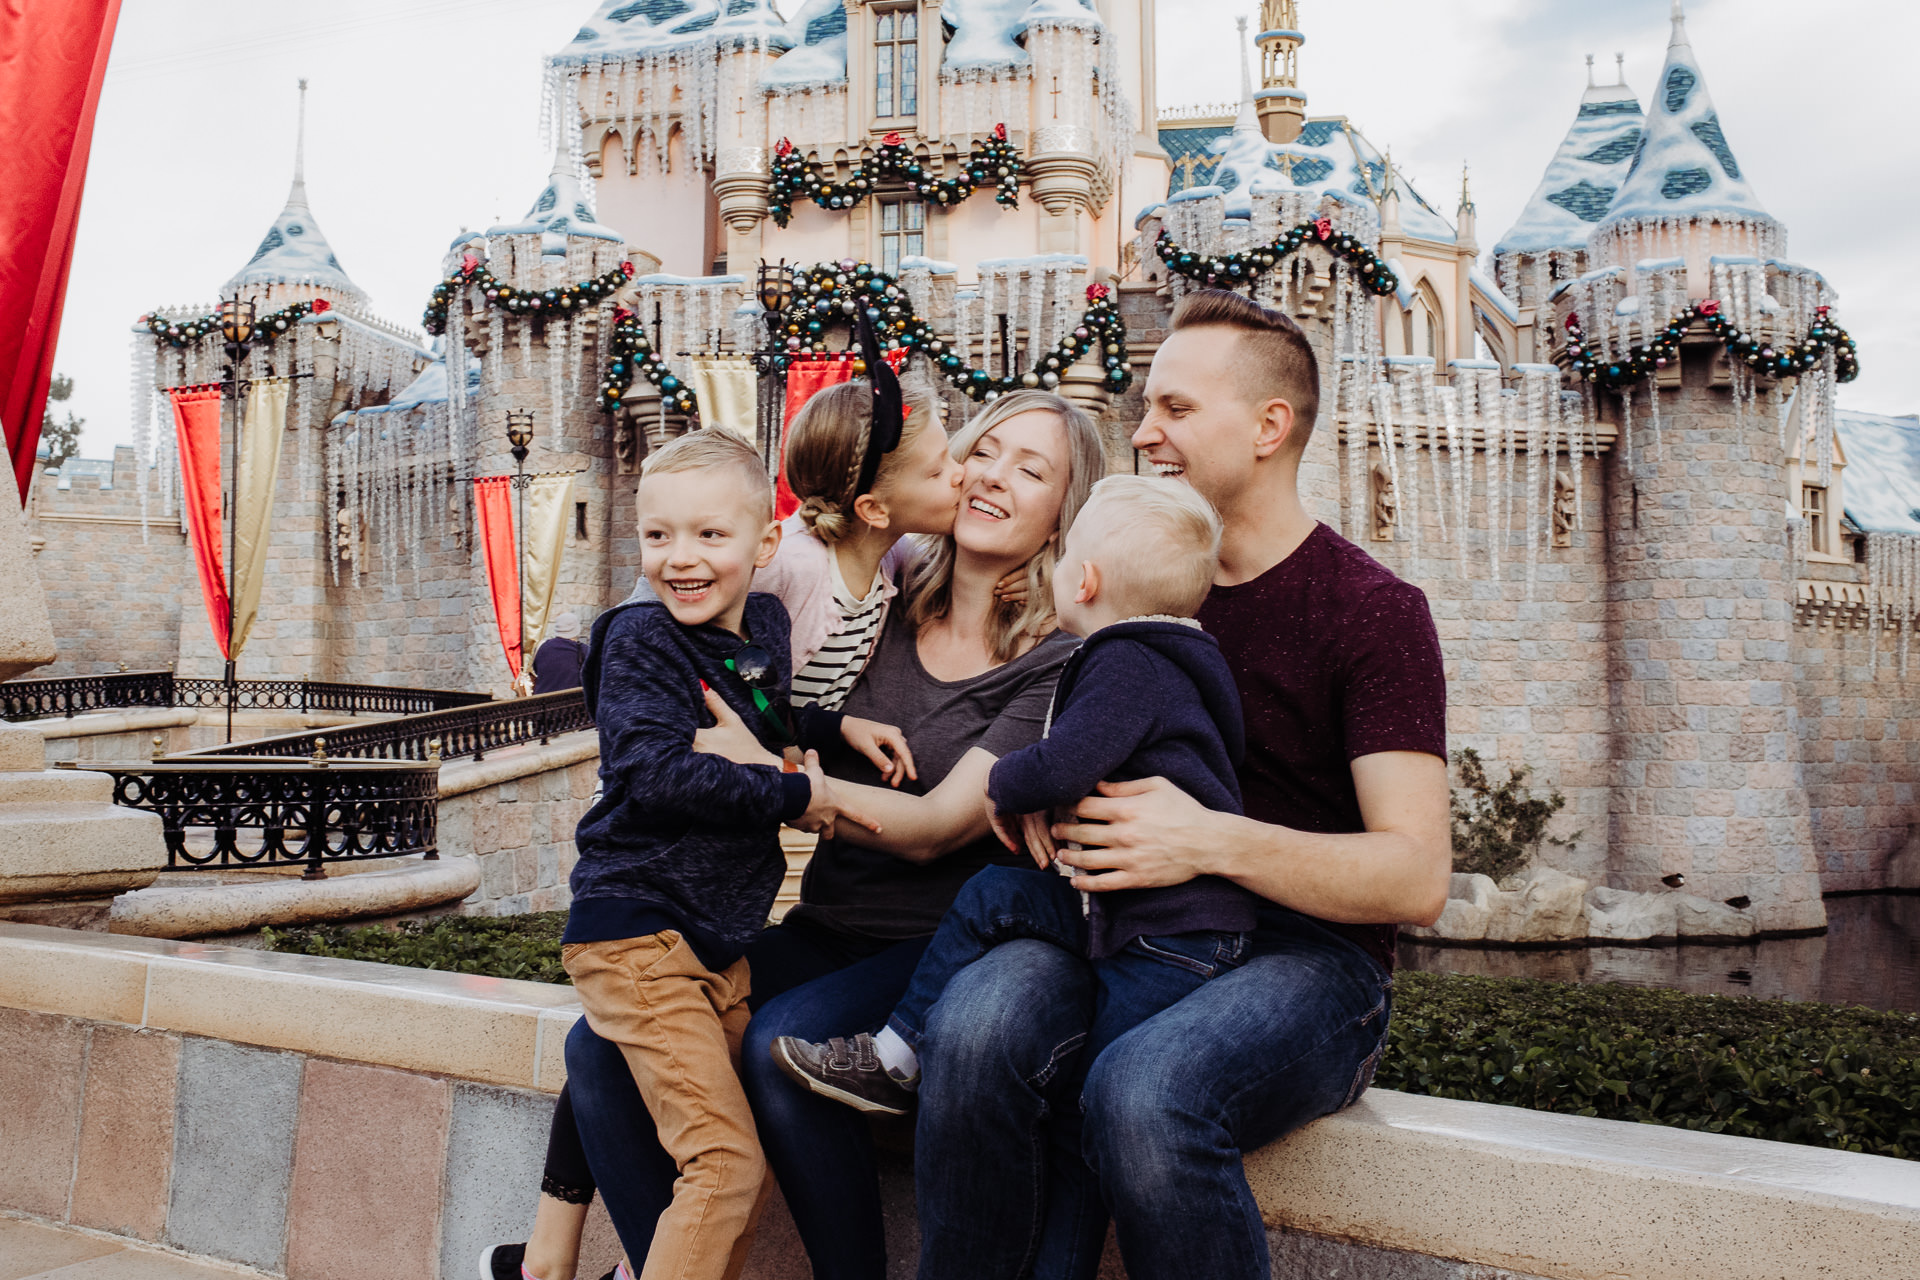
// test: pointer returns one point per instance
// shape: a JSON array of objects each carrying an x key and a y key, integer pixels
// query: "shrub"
[
  {"x": 1497, "y": 828},
  {"x": 1821, "y": 1075},
  {"x": 526, "y": 946}
]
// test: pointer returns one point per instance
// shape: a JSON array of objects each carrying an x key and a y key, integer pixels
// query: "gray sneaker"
[{"x": 847, "y": 1071}]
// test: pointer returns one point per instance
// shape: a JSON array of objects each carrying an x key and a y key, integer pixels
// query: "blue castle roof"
[{"x": 1584, "y": 177}]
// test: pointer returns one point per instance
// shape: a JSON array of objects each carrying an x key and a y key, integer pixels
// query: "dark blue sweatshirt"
[
  {"x": 1140, "y": 699},
  {"x": 679, "y": 839}
]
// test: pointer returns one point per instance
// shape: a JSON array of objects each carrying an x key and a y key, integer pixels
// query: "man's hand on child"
[
  {"x": 883, "y": 744},
  {"x": 827, "y": 808},
  {"x": 729, "y": 737}
]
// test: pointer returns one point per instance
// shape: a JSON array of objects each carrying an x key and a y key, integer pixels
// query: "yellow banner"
[
  {"x": 728, "y": 390},
  {"x": 549, "y": 503},
  {"x": 264, "y": 428}
]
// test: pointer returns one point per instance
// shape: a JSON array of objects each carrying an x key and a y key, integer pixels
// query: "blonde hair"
[
  {"x": 1157, "y": 543},
  {"x": 829, "y": 442},
  {"x": 717, "y": 447},
  {"x": 929, "y": 588}
]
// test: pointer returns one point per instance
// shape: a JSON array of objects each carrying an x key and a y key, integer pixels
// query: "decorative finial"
[
  {"x": 1679, "y": 25},
  {"x": 300, "y": 140},
  {"x": 1589, "y": 71},
  {"x": 1247, "y": 118},
  {"x": 433, "y": 751},
  {"x": 1466, "y": 189},
  {"x": 319, "y": 758},
  {"x": 1620, "y": 69},
  {"x": 159, "y": 746}
]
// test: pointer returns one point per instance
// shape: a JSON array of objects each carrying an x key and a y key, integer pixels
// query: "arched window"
[{"x": 896, "y": 62}]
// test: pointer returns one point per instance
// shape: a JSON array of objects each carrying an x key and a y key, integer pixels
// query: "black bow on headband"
[{"x": 889, "y": 411}]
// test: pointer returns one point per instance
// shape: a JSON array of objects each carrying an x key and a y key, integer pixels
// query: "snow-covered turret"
[
  {"x": 563, "y": 208},
  {"x": 294, "y": 261},
  {"x": 1548, "y": 242},
  {"x": 1075, "y": 135},
  {"x": 1684, "y": 195}
]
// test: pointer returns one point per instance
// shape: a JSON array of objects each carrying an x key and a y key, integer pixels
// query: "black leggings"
[{"x": 566, "y": 1176}]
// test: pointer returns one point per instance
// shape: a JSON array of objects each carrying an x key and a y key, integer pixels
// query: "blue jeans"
[
  {"x": 1022, "y": 1150},
  {"x": 808, "y": 982}
]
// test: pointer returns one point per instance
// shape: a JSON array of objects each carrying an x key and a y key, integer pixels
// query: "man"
[
  {"x": 558, "y": 661},
  {"x": 1345, "y": 833}
]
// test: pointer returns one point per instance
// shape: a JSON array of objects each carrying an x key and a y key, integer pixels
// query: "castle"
[{"x": 1668, "y": 573}]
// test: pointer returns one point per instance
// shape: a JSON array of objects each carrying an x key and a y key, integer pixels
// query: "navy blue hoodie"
[
  {"x": 679, "y": 839},
  {"x": 1143, "y": 698}
]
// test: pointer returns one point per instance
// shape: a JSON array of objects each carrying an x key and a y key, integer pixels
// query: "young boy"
[
  {"x": 1146, "y": 695},
  {"x": 680, "y": 858}
]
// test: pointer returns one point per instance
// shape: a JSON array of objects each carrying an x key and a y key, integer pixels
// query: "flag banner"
[
  {"x": 549, "y": 499},
  {"x": 728, "y": 391},
  {"x": 805, "y": 379},
  {"x": 55, "y": 57},
  {"x": 493, "y": 513},
  {"x": 196, "y": 423},
  {"x": 261, "y": 434}
]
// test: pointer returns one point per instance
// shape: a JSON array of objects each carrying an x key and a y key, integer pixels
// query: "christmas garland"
[
  {"x": 1786, "y": 361},
  {"x": 180, "y": 332},
  {"x": 831, "y": 293},
  {"x": 992, "y": 160},
  {"x": 1231, "y": 270},
  {"x": 580, "y": 295}
]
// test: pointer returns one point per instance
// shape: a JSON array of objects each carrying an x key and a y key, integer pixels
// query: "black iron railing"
[
  {"x": 71, "y": 695},
  {"x": 223, "y": 811},
  {"x": 463, "y": 732}
]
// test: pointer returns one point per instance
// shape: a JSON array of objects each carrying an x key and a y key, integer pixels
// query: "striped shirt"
[{"x": 830, "y": 674}]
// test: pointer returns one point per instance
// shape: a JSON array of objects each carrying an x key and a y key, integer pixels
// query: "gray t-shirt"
[{"x": 876, "y": 895}]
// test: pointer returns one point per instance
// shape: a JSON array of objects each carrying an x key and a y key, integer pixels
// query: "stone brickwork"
[{"x": 515, "y": 812}]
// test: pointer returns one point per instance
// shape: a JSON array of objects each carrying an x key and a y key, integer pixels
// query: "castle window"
[
  {"x": 896, "y": 62},
  {"x": 903, "y": 232},
  {"x": 1813, "y": 510}
]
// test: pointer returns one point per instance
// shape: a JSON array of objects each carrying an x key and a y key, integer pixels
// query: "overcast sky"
[{"x": 424, "y": 119}]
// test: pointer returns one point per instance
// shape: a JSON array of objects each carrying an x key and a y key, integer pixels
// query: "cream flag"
[
  {"x": 260, "y": 436},
  {"x": 728, "y": 391},
  {"x": 548, "y": 503}
]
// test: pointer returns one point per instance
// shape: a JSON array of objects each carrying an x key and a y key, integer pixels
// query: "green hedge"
[{"x": 1820, "y": 1075}]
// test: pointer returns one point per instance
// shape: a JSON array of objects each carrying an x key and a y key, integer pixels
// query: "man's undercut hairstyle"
[
  {"x": 1275, "y": 360},
  {"x": 1157, "y": 543},
  {"x": 717, "y": 447}
]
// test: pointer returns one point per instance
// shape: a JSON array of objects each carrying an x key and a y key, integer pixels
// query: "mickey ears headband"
[{"x": 889, "y": 410}]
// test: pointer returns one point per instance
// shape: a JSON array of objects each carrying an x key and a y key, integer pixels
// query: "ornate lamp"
[
  {"x": 236, "y": 322},
  {"x": 519, "y": 433},
  {"x": 775, "y": 288}
]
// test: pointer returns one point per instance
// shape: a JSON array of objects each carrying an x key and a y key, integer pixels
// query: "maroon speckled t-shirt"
[{"x": 1336, "y": 658}]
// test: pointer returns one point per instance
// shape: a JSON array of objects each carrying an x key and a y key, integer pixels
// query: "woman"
[{"x": 967, "y": 675}]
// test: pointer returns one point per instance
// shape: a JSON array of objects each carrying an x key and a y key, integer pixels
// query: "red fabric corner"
[{"x": 493, "y": 508}]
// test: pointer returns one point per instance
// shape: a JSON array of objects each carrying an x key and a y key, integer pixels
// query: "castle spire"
[
  {"x": 1590, "y": 71},
  {"x": 294, "y": 255},
  {"x": 1281, "y": 106},
  {"x": 1247, "y": 118},
  {"x": 300, "y": 145},
  {"x": 1679, "y": 36}
]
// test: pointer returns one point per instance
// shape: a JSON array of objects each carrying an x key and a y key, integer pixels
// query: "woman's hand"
[
  {"x": 827, "y": 808},
  {"x": 1012, "y": 589},
  {"x": 883, "y": 744},
  {"x": 1145, "y": 834},
  {"x": 730, "y": 736}
]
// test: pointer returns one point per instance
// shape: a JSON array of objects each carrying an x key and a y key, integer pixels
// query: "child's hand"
[
  {"x": 883, "y": 744},
  {"x": 826, "y": 809},
  {"x": 1012, "y": 589},
  {"x": 1002, "y": 827},
  {"x": 1038, "y": 829}
]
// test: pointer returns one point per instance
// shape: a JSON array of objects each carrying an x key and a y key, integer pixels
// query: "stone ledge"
[
  {"x": 1490, "y": 1186},
  {"x": 191, "y": 912},
  {"x": 458, "y": 777},
  {"x": 98, "y": 723}
]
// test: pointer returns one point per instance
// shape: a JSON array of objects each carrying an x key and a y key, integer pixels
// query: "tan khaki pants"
[{"x": 679, "y": 1026}]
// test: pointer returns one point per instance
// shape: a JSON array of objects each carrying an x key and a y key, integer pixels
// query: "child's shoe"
[{"x": 847, "y": 1071}]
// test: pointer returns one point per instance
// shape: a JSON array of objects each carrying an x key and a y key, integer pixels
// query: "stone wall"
[{"x": 515, "y": 812}]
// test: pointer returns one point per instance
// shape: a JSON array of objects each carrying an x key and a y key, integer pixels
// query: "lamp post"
[
  {"x": 236, "y": 328},
  {"x": 519, "y": 436},
  {"x": 774, "y": 290}
]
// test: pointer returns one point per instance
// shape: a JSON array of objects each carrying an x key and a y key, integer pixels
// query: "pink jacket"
[{"x": 801, "y": 575}]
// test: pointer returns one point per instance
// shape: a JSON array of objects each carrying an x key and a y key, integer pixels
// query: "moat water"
[{"x": 1870, "y": 955}]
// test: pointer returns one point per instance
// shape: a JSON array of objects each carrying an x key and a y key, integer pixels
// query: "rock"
[
  {"x": 1542, "y": 905},
  {"x": 1704, "y": 918},
  {"x": 1620, "y": 915},
  {"x": 1469, "y": 906}
]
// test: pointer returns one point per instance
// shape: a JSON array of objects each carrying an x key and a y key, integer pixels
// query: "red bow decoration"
[
  {"x": 621, "y": 313},
  {"x": 1323, "y": 228},
  {"x": 1821, "y": 311},
  {"x": 468, "y": 264},
  {"x": 1709, "y": 308},
  {"x": 891, "y": 140},
  {"x": 1000, "y": 133},
  {"x": 1095, "y": 292},
  {"x": 782, "y": 147},
  {"x": 321, "y": 304},
  {"x": 1573, "y": 320},
  {"x": 626, "y": 269}
]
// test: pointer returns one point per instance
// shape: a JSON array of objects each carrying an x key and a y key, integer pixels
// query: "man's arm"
[{"x": 1395, "y": 871}]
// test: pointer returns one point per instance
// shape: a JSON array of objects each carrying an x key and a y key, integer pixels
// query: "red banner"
[
  {"x": 493, "y": 508},
  {"x": 55, "y": 56},
  {"x": 806, "y": 378},
  {"x": 196, "y": 421}
]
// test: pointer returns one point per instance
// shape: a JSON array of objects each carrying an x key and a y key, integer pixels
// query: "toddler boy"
[
  {"x": 1146, "y": 695},
  {"x": 680, "y": 857}
]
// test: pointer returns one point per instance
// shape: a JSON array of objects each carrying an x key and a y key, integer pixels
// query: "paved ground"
[{"x": 28, "y": 1249}]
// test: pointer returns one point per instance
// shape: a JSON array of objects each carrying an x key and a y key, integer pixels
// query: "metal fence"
[
  {"x": 464, "y": 732},
  {"x": 227, "y": 812},
  {"x": 72, "y": 695}
]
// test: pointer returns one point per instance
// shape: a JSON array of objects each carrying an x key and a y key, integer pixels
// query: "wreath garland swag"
[
  {"x": 1785, "y": 360},
  {"x": 1231, "y": 270},
  {"x": 993, "y": 160}
]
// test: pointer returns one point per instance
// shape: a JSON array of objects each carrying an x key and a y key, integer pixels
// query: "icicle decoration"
[
  {"x": 1493, "y": 410},
  {"x": 1458, "y": 462},
  {"x": 141, "y": 418},
  {"x": 1425, "y": 387},
  {"x": 556, "y": 381}
]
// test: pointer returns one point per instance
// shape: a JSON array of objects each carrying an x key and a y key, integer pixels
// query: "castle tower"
[
  {"x": 294, "y": 261},
  {"x": 1064, "y": 161},
  {"x": 1706, "y": 762},
  {"x": 1282, "y": 106}
]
